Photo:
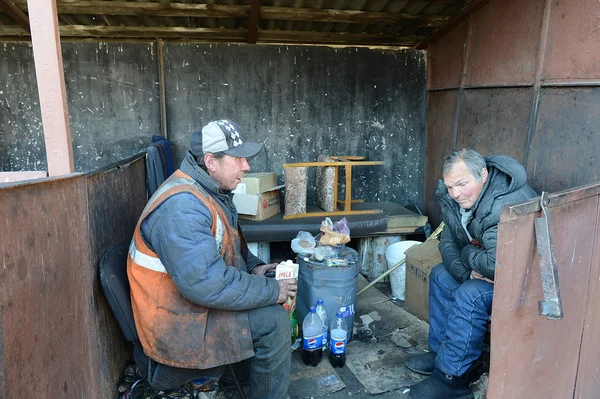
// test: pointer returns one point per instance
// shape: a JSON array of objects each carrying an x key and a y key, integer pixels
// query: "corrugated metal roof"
[{"x": 343, "y": 22}]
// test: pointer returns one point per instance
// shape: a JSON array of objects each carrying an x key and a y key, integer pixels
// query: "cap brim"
[{"x": 245, "y": 150}]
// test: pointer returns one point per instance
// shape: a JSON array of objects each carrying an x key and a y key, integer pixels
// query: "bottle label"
[
  {"x": 311, "y": 343},
  {"x": 347, "y": 311},
  {"x": 338, "y": 346},
  {"x": 324, "y": 339}
]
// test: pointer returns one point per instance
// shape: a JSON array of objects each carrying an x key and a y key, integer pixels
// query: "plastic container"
[
  {"x": 312, "y": 338},
  {"x": 322, "y": 313},
  {"x": 394, "y": 254},
  {"x": 336, "y": 285},
  {"x": 337, "y": 352}
]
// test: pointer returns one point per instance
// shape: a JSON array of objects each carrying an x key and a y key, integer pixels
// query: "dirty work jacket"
[
  {"x": 506, "y": 184},
  {"x": 203, "y": 324}
]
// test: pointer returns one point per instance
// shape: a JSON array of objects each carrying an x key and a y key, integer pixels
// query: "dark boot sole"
[{"x": 419, "y": 371}]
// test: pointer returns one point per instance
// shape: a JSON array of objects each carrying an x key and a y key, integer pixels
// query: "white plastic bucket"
[{"x": 394, "y": 254}]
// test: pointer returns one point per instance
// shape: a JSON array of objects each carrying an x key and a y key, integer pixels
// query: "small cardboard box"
[
  {"x": 257, "y": 196},
  {"x": 257, "y": 183},
  {"x": 420, "y": 259}
]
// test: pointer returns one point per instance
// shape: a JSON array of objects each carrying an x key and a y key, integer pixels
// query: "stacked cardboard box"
[{"x": 257, "y": 196}]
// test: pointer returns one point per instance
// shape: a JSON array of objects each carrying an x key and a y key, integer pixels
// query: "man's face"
[
  {"x": 227, "y": 171},
  {"x": 462, "y": 186}
]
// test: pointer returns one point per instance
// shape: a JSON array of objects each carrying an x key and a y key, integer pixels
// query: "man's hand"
[
  {"x": 263, "y": 269},
  {"x": 477, "y": 276},
  {"x": 287, "y": 288}
]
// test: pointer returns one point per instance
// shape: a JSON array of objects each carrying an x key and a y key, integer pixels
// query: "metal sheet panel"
[
  {"x": 446, "y": 58},
  {"x": 504, "y": 43},
  {"x": 495, "y": 121},
  {"x": 531, "y": 356},
  {"x": 564, "y": 149},
  {"x": 572, "y": 50},
  {"x": 588, "y": 378},
  {"x": 442, "y": 108},
  {"x": 116, "y": 198},
  {"x": 43, "y": 247}
]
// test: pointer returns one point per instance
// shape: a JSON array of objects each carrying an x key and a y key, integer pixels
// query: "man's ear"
[
  {"x": 484, "y": 175},
  {"x": 209, "y": 161}
]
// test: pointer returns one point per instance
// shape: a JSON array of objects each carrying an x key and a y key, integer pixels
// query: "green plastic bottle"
[{"x": 294, "y": 323}]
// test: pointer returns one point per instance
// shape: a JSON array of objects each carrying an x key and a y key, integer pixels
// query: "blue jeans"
[{"x": 458, "y": 317}]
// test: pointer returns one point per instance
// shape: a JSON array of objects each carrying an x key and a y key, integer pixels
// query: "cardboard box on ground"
[
  {"x": 257, "y": 196},
  {"x": 420, "y": 259}
]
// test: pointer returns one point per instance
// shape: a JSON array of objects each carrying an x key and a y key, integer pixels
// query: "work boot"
[
  {"x": 422, "y": 364},
  {"x": 442, "y": 386}
]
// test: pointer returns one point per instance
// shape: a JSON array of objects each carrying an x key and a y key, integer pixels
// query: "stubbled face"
[
  {"x": 462, "y": 186},
  {"x": 227, "y": 171}
]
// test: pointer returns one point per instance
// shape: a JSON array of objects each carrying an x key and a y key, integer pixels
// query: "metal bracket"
[{"x": 551, "y": 306}]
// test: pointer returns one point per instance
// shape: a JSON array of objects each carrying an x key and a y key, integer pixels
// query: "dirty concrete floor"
[{"x": 378, "y": 320}]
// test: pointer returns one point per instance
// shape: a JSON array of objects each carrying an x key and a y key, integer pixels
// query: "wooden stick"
[{"x": 433, "y": 236}]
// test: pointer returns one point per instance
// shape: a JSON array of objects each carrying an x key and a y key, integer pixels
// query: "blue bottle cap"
[
  {"x": 338, "y": 314},
  {"x": 319, "y": 301},
  {"x": 312, "y": 309}
]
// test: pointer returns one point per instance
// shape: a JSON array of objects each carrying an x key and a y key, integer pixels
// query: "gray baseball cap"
[{"x": 222, "y": 136}]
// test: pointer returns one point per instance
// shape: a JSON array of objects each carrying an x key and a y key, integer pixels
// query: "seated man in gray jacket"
[
  {"x": 200, "y": 299},
  {"x": 472, "y": 194}
]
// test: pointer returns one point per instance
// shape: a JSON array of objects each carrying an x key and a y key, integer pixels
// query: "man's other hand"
[
  {"x": 477, "y": 276},
  {"x": 263, "y": 269},
  {"x": 287, "y": 288}
]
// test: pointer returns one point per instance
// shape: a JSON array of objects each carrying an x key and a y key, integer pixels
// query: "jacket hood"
[{"x": 505, "y": 176}]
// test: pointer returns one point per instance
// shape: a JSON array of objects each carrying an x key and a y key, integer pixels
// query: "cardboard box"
[
  {"x": 257, "y": 196},
  {"x": 258, "y": 207},
  {"x": 257, "y": 183},
  {"x": 420, "y": 259}
]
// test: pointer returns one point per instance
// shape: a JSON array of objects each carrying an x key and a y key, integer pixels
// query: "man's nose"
[
  {"x": 454, "y": 192},
  {"x": 245, "y": 165}
]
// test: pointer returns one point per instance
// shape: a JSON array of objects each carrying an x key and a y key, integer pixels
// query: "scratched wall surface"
[
  {"x": 305, "y": 101},
  {"x": 300, "y": 101},
  {"x": 113, "y": 103}
]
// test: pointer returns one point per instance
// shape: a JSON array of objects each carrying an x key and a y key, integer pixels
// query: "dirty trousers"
[
  {"x": 458, "y": 317},
  {"x": 269, "y": 368}
]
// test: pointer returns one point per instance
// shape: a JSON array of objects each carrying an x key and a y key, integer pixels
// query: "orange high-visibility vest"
[{"x": 171, "y": 329}]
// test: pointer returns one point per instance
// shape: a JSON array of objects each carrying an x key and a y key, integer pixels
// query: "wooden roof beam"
[
  {"x": 16, "y": 14},
  {"x": 98, "y": 7},
  {"x": 253, "y": 20},
  {"x": 230, "y": 35}
]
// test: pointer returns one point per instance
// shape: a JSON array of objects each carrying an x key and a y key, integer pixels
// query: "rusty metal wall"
[
  {"x": 116, "y": 198},
  {"x": 58, "y": 335},
  {"x": 43, "y": 247},
  {"x": 572, "y": 51},
  {"x": 504, "y": 41},
  {"x": 495, "y": 121},
  {"x": 564, "y": 149},
  {"x": 518, "y": 54},
  {"x": 442, "y": 108},
  {"x": 532, "y": 356},
  {"x": 446, "y": 59}
]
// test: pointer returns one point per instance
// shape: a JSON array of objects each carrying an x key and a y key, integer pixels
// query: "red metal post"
[{"x": 51, "y": 85}]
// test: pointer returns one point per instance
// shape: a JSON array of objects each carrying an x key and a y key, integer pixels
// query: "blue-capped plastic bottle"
[
  {"x": 312, "y": 338},
  {"x": 337, "y": 347},
  {"x": 320, "y": 310}
]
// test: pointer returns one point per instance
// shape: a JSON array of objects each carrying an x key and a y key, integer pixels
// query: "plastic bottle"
[
  {"x": 337, "y": 350},
  {"x": 312, "y": 338},
  {"x": 294, "y": 323},
  {"x": 320, "y": 310}
]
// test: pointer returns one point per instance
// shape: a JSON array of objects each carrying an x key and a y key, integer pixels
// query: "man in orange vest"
[{"x": 200, "y": 299}]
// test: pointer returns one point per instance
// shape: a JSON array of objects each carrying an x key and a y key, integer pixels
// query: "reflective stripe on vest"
[{"x": 146, "y": 261}]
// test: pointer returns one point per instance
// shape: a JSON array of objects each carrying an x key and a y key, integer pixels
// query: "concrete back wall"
[
  {"x": 299, "y": 101},
  {"x": 522, "y": 79}
]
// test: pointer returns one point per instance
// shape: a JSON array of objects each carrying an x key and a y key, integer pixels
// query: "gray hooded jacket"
[{"x": 506, "y": 184}]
